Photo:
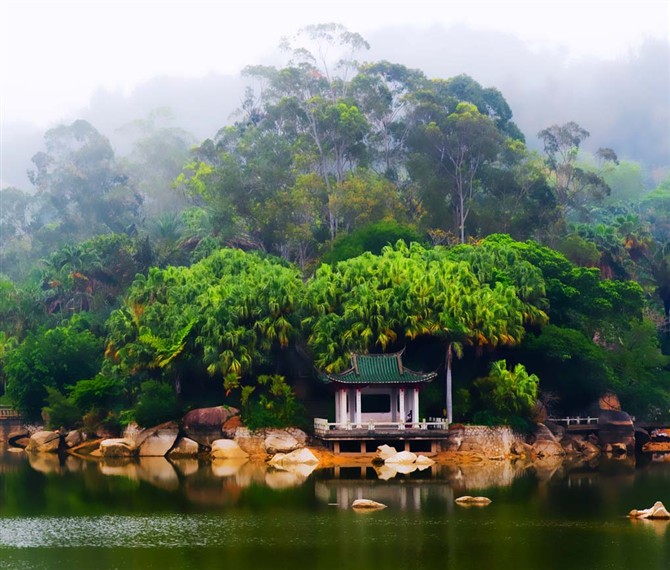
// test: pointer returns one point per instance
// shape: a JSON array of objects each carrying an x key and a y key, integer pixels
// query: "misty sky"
[{"x": 54, "y": 55}]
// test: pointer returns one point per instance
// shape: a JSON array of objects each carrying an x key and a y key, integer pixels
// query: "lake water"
[{"x": 74, "y": 514}]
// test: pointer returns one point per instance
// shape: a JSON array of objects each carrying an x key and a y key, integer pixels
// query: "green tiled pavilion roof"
[{"x": 378, "y": 369}]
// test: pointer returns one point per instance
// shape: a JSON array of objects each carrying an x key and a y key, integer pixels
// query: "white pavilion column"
[
  {"x": 359, "y": 422},
  {"x": 401, "y": 402},
  {"x": 338, "y": 406},
  {"x": 415, "y": 408},
  {"x": 343, "y": 407},
  {"x": 394, "y": 404}
]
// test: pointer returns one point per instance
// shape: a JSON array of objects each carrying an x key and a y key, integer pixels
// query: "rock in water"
[
  {"x": 303, "y": 455},
  {"x": 405, "y": 457},
  {"x": 227, "y": 449},
  {"x": 44, "y": 442},
  {"x": 656, "y": 512},
  {"x": 423, "y": 460},
  {"x": 157, "y": 441},
  {"x": 474, "y": 501},
  {"x": 74, "y": 438},
  {"x": 367, "y": 505},
  {"x": 184, "y": 447},
  {"x": 117, "y": 448},
  {"x": 385, "y": 451}
]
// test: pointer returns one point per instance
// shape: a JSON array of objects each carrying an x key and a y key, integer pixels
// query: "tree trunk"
[{"x": 448, "y": 359}]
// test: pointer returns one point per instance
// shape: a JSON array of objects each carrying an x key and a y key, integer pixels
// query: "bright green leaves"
[
  {"x": 508, "y": 393},
  {"x": 372, "y": 303},
  {"x": 228, "y": 312}
]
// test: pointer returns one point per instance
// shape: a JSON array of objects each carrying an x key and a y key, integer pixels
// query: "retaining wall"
[{"x": 484, "y": 440}]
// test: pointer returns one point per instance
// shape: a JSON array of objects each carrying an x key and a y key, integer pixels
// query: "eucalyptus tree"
[
  {"x": 79, "y": 175},
  {"x": 158, "y": 153},
  {"x": 383, "y": 91},
  {"x": 575, "y": 186},
  {"x": 516, "y": 198},
  {"x": 310, "y": 99},
  {"x": 451, "y": 141}
]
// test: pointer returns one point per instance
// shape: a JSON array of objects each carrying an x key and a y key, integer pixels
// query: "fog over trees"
[
  {"x": 623, "y": 102},
  {"x": 502, "y": 214}
]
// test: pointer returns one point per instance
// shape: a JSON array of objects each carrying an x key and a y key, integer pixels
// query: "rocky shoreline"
[{"x": 218, "y": 434}]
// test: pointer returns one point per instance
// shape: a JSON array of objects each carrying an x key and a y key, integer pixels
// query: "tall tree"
[
  {"x": 575, "y": 186},
  {"x": 79, "y": 175},
  {"x": 450, "y": 148}
]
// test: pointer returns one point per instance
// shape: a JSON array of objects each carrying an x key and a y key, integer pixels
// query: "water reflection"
[
  {"x": 412, "y": 495},
  {"x": 222, "y": 482},
  {"x": 58, "y": 512}
]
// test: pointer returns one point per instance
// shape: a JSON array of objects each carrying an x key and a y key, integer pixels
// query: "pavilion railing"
[
  {"x": 9, "y": 412},
  {"x": 574, "y": 421},
  {"x": 323, "y": 427}
]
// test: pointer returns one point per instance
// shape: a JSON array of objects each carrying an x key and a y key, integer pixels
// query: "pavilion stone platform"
[{"x": 377, "y": 402}]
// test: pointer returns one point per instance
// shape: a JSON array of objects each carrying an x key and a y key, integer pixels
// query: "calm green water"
[{"x": 75, "y": 514}]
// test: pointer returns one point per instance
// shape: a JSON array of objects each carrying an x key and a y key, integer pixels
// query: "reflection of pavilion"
[
  {"x": 377, "y": 399},
  {"x": 403, "y": 495}
]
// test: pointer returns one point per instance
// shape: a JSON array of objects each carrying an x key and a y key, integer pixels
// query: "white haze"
[{"x": 114, "y": 62}]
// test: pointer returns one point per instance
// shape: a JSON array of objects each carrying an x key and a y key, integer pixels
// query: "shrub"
[{"x": 157, "y": 404}]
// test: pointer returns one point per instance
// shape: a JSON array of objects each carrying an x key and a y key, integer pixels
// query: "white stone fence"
[
  {"x": 576, "y": 421},
  {"x": 8, "y": 412},
  {"x": 323, "y": 427}
]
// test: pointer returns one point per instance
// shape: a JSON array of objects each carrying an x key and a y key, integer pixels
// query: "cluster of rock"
[
  {"x": 551, "y": 440},
  {"x": 657, "y": 511},
  {"x": 388, "y": 462},
  {"x": 208, "y": 432}
]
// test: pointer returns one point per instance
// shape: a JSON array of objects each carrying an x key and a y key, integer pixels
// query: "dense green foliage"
[
  {"x": 50, "y": 358},
  {"x": 509, "y": 395},
  {"x": 351, "y": 207}
]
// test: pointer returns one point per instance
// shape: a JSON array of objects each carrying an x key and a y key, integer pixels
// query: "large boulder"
[
  {"x": 157, "y": 441},
  {"x": 402, "y": 458},
  {"x": 545, "y": 448},
  {"x": 384, "y": 452},
  {"x": 18, "y": 438},
  {"x": 616, "y": 429},
  {"x": 117, "y": 447},
  {"x": 184, "y": 447},
  {"x": 585, "y": 446},
  {"x": 543, "y": 433},
  {"x": 227, "y": 449},
  {"x": 253, "y": 442},
  {"x": 205, "y": 425},
  {"x": 657, "y": 511},
  {"x": 302, "y": 455},
  {"x": 44, "y": 442},
  {"x": 423, "y": 461},
  {"x": 87, "y": 447},
  {"x": 74, "y": 438},
  {"x": 280, "y": 441},
  {"x": 522, "y": 449}
]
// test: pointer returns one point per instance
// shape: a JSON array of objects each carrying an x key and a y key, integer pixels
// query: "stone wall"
[
  {"x": 483, "y": 440},
  {"x": 8, "y": 425}
]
